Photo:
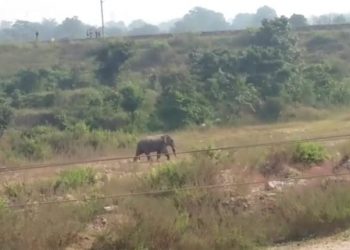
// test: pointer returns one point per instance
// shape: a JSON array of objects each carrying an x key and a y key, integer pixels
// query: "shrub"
[
  {"x": 62, "y": 223},
  {"x": 313, "y": 211},
  {"x": 110, "y": 59},
  {"x": 275, "y": 163},
  {"x": 167, "y": 176},
  {"x": 271, "y": 109},
  {"x": 72, "y": 179},
  {"x": 310, "y": 153},
  {"x": 15, "y": 190},
  {"x": 32, "y": 149},
  {"x": 324, "y": 44},
  {"x": 201, "y": 170},
  {"x": 38, "y": 100},
  {"x": 3, "y": 205}
]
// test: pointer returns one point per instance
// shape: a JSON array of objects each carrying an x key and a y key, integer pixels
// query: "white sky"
[{"x": 155, "y": 11}]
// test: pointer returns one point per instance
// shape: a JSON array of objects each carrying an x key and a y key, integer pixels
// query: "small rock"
[
  {"x": 69, "y": 197},
  {"x": 110, "y": 208},
  {"x": 275, "y": 185}
]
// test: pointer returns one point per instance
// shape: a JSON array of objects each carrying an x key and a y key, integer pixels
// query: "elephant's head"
[{"x": 169, "y": 142}]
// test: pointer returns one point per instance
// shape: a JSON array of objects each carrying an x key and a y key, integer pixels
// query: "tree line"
[{"x": 197, "y": 19}]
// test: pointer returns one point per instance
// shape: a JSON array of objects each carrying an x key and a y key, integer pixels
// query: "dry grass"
[{"x": 180, "y": 220}]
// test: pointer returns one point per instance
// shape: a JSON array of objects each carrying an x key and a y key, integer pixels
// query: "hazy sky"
[{"x": 155, "y": 11}]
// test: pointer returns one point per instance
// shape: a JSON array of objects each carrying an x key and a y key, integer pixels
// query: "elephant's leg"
[
  {"x": 166, "y": 152},
  {"x": 148, "y": 157}
]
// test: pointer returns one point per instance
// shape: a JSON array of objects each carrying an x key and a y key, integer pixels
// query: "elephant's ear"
[{"x": 163, "y": 138}]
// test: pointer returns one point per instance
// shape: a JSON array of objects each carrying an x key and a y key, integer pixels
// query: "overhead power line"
[{"x": 227, "y": 148}]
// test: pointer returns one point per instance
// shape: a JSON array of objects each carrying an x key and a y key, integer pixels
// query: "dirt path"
[
  {"x": 112, "y": 168},
  {"x": 337, "y": 242}
]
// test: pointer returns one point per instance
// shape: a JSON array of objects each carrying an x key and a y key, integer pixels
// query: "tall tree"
[
  {"x": 201, "y": 19},
  {"x": 110, "y": 59},
  {"x": 180, "y": 103},
  {"x": 297, "y": 21},
  {"x": 339, "y": 19},
  {"x": 264, "y": 12},
  {"x": 132, "y": 98},
  {"x": 243, "y": 21},
  {"x": 72, "y": 28},
  {"x": 147, "y": 29}
]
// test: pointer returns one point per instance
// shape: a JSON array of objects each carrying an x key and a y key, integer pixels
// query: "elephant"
[{"x": 157, "y": 144}]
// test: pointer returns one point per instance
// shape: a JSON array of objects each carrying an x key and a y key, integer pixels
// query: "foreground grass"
[
  {"x": 218, "y": 219},
  {"x": 197, "y": 219}
]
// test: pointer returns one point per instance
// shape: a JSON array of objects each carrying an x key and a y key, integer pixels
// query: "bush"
[
  {"x": 167, "y": 176},
  {"x": 72, "y": 179},
  {"x": 3, "y": 205},
  {"x": 32, "y": 149},
  {"x": 271, "y": 109},
  {"x": 38, "y": 100},
  {"x": 314, "y": 211},
  {"x": 324, "y": 44},
  {"x": 275, "y": 164},
  {"x": 310, "y": 153},
  {"x": 62, "y": 223}
]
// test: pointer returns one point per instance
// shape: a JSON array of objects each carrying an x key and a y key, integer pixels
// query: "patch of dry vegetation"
[{"x": 227, "y": 218}]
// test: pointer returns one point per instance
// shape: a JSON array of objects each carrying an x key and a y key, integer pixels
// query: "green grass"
[
  {"x": 72, "y": 179},
  {"x": 310, "y": 153}
]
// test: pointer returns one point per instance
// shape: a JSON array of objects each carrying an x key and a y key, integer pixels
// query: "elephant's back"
[{"x": 150, "y": 138}]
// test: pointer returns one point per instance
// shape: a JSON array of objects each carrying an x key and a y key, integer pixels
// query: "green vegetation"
[
  {"x": 228, "y": 218},
  {"x": 85, "y": 97},
  {"x": 231, "y": 217},
  {"x": 72, "y": 179},
  {"x": 310, "y": 153}
]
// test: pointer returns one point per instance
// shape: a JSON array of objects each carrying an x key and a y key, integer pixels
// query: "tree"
[
  {"x": 231, "y": 94},
  {"x": 297, "y": 21},
  {"x": 167, "y": 26},
  {"x": 339, "y": 19},
  {"x": 276, "y": 34},
  {"x": 324, "y": 84},
  {"x": 132, "y": 98},
  {"x": 110, "y": 59},
  {"x": 180, "y": 103},
  {"x": 146, "y": 29},
  {"x": 322, "y": 20},
  {"x": 201, "y": 19},
  {"x": 28, "y": 81},
  {"x": 273, "y": 59},
  {"x": 136, "y": 24},
  {"x": 5, "y": 24},
  {"x": 6, "y": 115},
  {"x": 267, "y": 69},
  {"x": 72, "y": 28},
  {"x": 264, "y": 12},
  {"x": 243, "y": 21},
  {"x": 205, "y": 64},
  {"x": 24, "y": 30},
  {"x": 115, "y": 28}
]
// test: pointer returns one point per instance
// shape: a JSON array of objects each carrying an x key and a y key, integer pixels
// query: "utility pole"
[{"x": 102, "y": 18}]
